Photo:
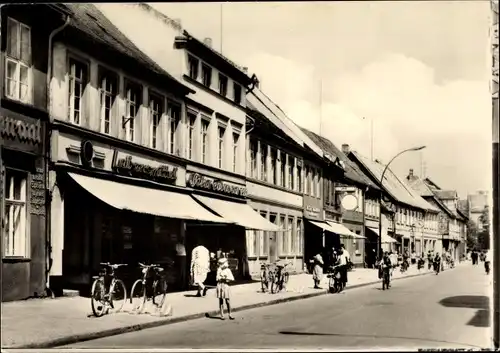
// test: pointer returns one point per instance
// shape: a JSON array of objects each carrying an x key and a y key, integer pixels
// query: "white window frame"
[
  {"x": 298, "y": 233},
  {"x": 283, "y": 233},
  {"x": 191, "y": 128},
  {"x": 15, "y": 59},
  {"x": 283, "y": 169},
  {"x": 72, "y": 82},
  {"x": 291, "y": 243},
  {"x": 263, "y": 238},
  {"x": 221, "y": 81},
  {"x": 263, "y": 161},
  {"x": 130, "y": 128},
  {"x": 211, "y": 71},
  {"x": 253, "y": 157},
  {"x": 103, "y": 94},
  {"x": 205, "y": 138},
  {"x": 291, "y": 172},
  {"x": 173, "y": 126},
  {"x": 236, "y": 141},
  {"x": 156, "y": 118},
  {"x": 195, "y": 59},
  {"x": 21, "y": 243},
  {"x": 220, "y": 145}
]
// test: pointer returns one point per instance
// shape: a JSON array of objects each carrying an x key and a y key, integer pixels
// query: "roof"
[
  {"x": 424, "y": 190},
  {"x": 88, "y": 19},
  {"x": 446, "y": 194},
  {"x": 432, "y": 184},
  {"x": 352, "y": 171},
  {"x": 271, "y": 110},
  {"x": 396, "y": 188},
  {"x": 462, "y": 215}
]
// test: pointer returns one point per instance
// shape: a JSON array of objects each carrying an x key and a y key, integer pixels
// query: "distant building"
[{"x": 477, "y": 202}]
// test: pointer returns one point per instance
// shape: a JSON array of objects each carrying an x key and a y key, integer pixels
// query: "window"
[
  {"x": 263, "y": 161},
  {"x": 108, "y": 89},
  {"x": 206, "y": 72},
  {"x": 327, "y": 193},
  {"x": 192, "y": 123},
  {"x": 236, "y": 137},
  {"x": 263, "y": 238},
  {"x": 274, "y": 172},
  {"x": 283, "y": 169},
  {"x": 283, "y": 242},
  {"x": 273, "y": 219},
  {"x": 237, "y": 93},
  {"x": 18, "y": 84},
  {"x": 221, "y": 131},
  {"x": 299, "y": 177},
  {"x": 317, "y": 184},
  {"x": 193, "y": 67},
  {"x": 298, "y": 232},
  {"x": 253, "y": 158},
  {"x": 174, "y": 118},
  {"x": 291, "y": 167},
  {"x": 156, "y": 107},
  {"x": 77, "y": 83},
  {"x": 357, "y": 241},
  {"x": 223, "y": 85},
  {"x": 291, "y": 236},
  {"x": 133, "y": 94},
  {"x": 15, "y": 228},
  {"x": 313, "y": 182},
  {"x": 205, "y": 123}
]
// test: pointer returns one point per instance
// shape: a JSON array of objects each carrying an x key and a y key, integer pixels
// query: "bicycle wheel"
[
  {"x": 286, "y": 277},
  {"x": 138, "y": 296},
  {"x": 159, "y": 292},
  {"x": 98, "y": 297},
  {"x": 117, "y": 295}
]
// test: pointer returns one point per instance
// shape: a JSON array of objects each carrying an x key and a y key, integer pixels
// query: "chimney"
[
  {"x": 410, "y": 174},
  {"x": 208, "y": 42},
  {"x": 345, "y": 148}
]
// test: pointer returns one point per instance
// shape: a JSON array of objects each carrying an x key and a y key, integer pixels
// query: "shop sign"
[
  {"x": 196, "y": 180},
  {"x": 21, "y": 130},
  {"x": 38, "y": 193},
  {"x": 125, "y": 166},
  {"x": 313, "y": 211}
]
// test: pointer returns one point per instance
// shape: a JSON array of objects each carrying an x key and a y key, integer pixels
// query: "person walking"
[
  {"x": 181, "y": 262},
  {"x": 344, "y": 258},
  {"x": 200, "y": 266},
  {"x": 317, "y": 270},
  {"x": 224, "y": 277}
]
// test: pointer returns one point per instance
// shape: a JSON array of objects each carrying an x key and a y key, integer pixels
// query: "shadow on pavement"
[
  {"x": 479, "y": 302},
  {"x": 373, "y": 336}
]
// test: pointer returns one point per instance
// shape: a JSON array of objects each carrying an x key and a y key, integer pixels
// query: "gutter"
[{"x": 48, "y": 158}]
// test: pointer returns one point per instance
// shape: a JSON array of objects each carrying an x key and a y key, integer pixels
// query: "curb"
[{"x": 63, "y": 341}]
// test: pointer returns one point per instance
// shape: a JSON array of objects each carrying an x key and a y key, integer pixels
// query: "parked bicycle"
[
  {"x": 281, "y": 277},
  {"x": 108, "y": 292},
  {"x": 266, "y": 276},
  {"x": 152, "y": 286},
  {"x": 334, "y": 276}
]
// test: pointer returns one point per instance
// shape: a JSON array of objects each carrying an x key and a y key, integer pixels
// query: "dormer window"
[
  {"x": 194, "y": 65},
  {"x": 222, "y": 85},
  {"x": 237, "y": 93},
  {"x": 206, "y": 72}
]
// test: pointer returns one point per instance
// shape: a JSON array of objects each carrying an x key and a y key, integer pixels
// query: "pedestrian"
[
  {"x": 200, "y": 266},
  {"x": 344, "y": 259},
  {"x": 317, "y": 270},
  {"x": 180, "y": 252},
  {"x": 224, "y": 277}
]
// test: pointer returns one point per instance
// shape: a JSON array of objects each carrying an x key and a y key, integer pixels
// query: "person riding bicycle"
[
  {"x": 385, "y": 266},
  {"x": 487, "y": 261},
  {"x": 437, "y": 262}
]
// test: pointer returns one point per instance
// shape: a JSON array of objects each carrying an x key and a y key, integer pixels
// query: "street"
[{"x": 450, "y": 310}]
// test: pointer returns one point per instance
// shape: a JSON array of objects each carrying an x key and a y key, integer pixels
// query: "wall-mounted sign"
[
  {"x": 349, "y": 202},
  {"x": 312, "y": 212},
  {"x": 125, "y": 166},
  {"x": 38, "y": 192},
  {"x": 21, "y": 130},
  {"x": 86, "y": 152},
  {"x": 199, "y": 181}
]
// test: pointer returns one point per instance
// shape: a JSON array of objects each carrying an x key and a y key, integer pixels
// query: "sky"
[{"x": 419, "y": 72}]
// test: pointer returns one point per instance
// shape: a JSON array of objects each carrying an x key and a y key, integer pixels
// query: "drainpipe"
[{"x": 48, "y": 134}]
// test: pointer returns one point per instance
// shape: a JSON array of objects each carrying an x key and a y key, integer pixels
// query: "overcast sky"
[{"x": 419, "y": 70}]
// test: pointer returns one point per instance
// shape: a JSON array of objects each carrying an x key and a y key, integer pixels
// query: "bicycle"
[
  {"x": 107, "y": 290},
  {"x": 281, "y": 277},
  {"x": 152, "y": 285},
  {"x": 386, "y": 278},
  {"x": 266, "y": 276},
  {"x": 334, "y": 283}
]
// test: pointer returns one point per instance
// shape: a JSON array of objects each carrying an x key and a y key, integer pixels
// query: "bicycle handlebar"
[
  {"x": 148, "y": 266},
  {"x": 108, "y": 264}
]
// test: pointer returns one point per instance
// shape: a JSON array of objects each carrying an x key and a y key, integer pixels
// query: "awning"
[
  {"x": 322, "y": 225},
  {"x": 342, "y": 230},
  {"x": 239, "y": 213},
  {"x": 145, "y": 200},
  {"x": 385, "y": 237}
]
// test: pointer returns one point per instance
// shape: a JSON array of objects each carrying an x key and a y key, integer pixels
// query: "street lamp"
[{"x": 379, "y": 247}]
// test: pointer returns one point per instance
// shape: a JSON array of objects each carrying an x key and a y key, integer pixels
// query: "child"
[{"x": 224, "y": 276}]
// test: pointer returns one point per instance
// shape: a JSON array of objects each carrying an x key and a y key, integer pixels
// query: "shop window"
[
  {"x": 264, "y": 238},
  {"x": 156, "y": 106},
  {"x": 291, "y": 236},
  {"x": 291, "y": 168},
  {"x": 283, "y": 245},
  {"x": 263, "y": 162},
  {"x": 107, "y": 92},
  {"x": 18, "y": 68},
  {"x": 298, "y": 233},
  {"x": 194, "y": 65},
  {"x": 15, "y": 227},
  {"x": 236, "y": 137},
  {"x": 174, "y": 119},
  {"x": 251, "y": 242},
  {"x": 78, "y": 79},
  {"x": 253, "y": 158},
  {"x": 205, "y": 123},
  {"x": 191, "y": 136},
  {"x": 133, "y": 94},
  {"x": 220, "y": 156}
]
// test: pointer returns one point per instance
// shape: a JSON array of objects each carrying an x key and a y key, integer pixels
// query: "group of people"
[
  {"x": 484, "y": 256},
  {"x": 337, "y": 257}
]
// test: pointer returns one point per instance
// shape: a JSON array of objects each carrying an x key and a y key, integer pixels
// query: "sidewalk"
[{"x": 44, "y": 323}]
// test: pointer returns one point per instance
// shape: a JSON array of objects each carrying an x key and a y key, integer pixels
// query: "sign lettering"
[
  {"x": 196, "y": 180},
  {"x": 21, "y": 130},
  {"x": 38, "y": 192},
  {"x": 125, "y": 166}
]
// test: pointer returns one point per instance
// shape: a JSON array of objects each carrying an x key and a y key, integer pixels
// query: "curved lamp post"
[{"x": 379, "y": 247}]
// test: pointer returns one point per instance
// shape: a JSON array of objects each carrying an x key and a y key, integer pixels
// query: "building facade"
[{"x": 25, "y": 31}]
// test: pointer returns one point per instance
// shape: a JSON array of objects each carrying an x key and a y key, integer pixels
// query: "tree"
[
  {"x": 483, "y": 235},
  {"x": 472, "y": 241}
]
